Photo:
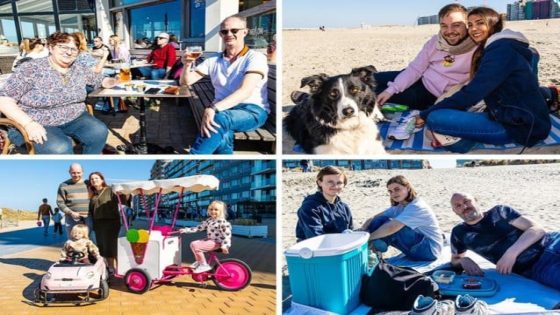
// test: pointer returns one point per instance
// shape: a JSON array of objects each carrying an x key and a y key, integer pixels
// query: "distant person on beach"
[
  {"x": 322, "y": 28},
  {"x": 57, "y": 219},
  {"x": 444, "y": 61},
  {"x": 73, "y": 199},
  {"x": 44, "y": 214},
  {"x": 409, "y": 224},
  {"x": 324, "y": 212},
  {"x": 502, "y": 75},
  {"x": 505, "y": 237}
]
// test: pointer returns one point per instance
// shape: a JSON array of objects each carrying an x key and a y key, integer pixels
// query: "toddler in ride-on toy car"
[
  {"x": 79, "y": 243},
  {"x": 218, "y": 235}
]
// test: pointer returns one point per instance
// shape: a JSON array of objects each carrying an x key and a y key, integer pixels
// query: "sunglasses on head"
[{"x": 233, "y": 31}]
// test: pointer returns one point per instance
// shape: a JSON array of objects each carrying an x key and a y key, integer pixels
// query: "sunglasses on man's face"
[
  {"x": 232, "y": 30},
  {"x": 161, "y": 37}
]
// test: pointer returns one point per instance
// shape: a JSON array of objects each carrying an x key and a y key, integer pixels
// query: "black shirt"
[{"x": 492, "y": 236}]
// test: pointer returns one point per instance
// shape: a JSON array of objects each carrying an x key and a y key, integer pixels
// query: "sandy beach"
[
  {"x": 336, "y": 51},
  {"x": 530, "y": 189}
]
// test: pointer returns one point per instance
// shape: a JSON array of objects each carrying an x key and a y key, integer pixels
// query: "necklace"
[{"x": 63, "y": 72}]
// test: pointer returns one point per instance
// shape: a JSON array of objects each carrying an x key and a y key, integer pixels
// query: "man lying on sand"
[{"x": 503, "y": 236}]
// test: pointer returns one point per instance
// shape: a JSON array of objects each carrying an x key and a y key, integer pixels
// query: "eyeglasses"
[
  {"x": 233, "y": 31},
  {"x": 68, "y": 49},
  {"x": 334, "y": 184},
  {"x": 162, "y": 38}
]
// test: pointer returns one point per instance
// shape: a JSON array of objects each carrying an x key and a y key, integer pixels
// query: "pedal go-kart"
[
  {"x": 147, "y": 258},
  {"x": 72, "y": 281}
]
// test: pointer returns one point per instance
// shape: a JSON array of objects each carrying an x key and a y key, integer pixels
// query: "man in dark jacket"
[{"x": 324, "y": 212}]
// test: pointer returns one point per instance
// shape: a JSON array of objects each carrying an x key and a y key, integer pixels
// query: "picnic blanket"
[
  {"x": 516, "y": 294},
  {"x": 421, "y": 142}
]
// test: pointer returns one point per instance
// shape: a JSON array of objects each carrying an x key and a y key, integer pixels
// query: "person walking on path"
[
  {"x": 44, "y": 214},
  {"x": 73, "y": 199},
  {"x": 57, "y": 219}
]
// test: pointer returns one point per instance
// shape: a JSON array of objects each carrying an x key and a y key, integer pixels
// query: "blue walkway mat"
[{"x": 421, "y": 142}]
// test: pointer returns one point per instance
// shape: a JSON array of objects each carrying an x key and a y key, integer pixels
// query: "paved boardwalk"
[{"x": 30, "y": 255}]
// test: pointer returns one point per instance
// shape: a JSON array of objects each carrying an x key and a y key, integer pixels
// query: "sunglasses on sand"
[{"x": 232, "y": 30}]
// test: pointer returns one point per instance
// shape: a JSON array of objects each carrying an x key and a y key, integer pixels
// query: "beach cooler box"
[{"x": 326, "y": 271}]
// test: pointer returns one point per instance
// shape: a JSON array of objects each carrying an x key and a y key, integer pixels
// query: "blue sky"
[
  {"x": 23, "y": 183},
  {"x": 351, "y": 13}
]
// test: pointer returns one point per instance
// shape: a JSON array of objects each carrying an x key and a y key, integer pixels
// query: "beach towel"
[{"x": 421, "y": 142}]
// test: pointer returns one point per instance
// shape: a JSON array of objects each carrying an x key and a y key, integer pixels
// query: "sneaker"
[
  {"x": 194, "y": 265},
  {"x": 466, "y": 304},
  {"x": 439, "y": 140},
  {"x": 202, "y": 268},
  {"x": 404, "y": 127},
  {"x": 424, "y": 305}
]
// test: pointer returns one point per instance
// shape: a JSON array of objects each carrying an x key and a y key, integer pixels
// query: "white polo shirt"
[{"x": 227, "y": 77}]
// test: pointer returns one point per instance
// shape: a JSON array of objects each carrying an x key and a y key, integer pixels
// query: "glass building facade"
[
  {"x": 32, "y": 18},
  {"x": 363, "y": 164},
  {"x": 138, "y": 19},
  {"x": 248, "y": 186}
]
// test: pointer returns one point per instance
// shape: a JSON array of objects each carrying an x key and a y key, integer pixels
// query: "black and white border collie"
[{"x": 338, "y": 116}]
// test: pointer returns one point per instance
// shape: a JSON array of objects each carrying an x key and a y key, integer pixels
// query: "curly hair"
[{"x": 62, "y": 38}]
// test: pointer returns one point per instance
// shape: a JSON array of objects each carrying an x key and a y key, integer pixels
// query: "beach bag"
[{"x": 392, "y": 288}]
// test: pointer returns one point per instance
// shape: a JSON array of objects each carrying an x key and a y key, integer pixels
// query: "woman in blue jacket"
[
  {"x": 324, "y": 212},
  {"x": 502, "y": 76}
]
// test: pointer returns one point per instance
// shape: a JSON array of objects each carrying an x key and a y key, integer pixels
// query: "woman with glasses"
[
  {"x": 409, "y": 224},
  {"x": 324, "y": 212},
  {"x": 46, "y": 97},
  {"x": 163, "y": 57}
]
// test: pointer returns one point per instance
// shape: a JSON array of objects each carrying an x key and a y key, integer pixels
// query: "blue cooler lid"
[{"x": 328, "y": 245}]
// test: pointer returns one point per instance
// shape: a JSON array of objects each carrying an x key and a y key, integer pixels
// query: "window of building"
[
  {"x": 79, "y": 23},
  {"x": 25, "y": 6},
  {"x": 37, "y": 25},
  {"x": 149, "y": 21},
  {"x": 197, "y": 18}
]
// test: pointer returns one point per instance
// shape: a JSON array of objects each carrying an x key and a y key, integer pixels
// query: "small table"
[
  {"x": 120, "y": 91},
  {"x": 130, "y": 65}
]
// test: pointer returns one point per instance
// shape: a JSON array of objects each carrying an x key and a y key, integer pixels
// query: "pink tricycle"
[{"x": 147, "y": 258}]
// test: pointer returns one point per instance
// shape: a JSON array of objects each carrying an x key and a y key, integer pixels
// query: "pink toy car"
[{"x": 74, "y": 278}]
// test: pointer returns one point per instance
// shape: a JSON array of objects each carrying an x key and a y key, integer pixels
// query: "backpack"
[{"x": 392, "y": 288}]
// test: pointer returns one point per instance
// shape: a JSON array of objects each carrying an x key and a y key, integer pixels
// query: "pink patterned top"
[{"x": 49, "y": 98}]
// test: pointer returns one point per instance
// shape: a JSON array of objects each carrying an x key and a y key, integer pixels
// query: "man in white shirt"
[{"x": 239, "y": 76}]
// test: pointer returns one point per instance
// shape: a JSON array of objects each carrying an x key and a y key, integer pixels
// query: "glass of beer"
[
  {"x": 193, "y": 52},
  {"x": 125, "y": 75}
]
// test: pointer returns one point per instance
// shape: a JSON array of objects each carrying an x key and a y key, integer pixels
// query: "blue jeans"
[
  {"x": 243, "y": 117},
  {"x": 46, "y": 221},
  {"x": 414, "y": 245},
  {"x": 151, "y": 73},
  {"x": 471, "y": 127},
  {"x": 87, "y": 130},
  {"x": 547, "y": 269},
  {"x": 416, "y": 96}
]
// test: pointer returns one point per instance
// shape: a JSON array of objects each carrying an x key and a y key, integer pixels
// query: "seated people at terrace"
[{"x": 46, "y": 96}]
